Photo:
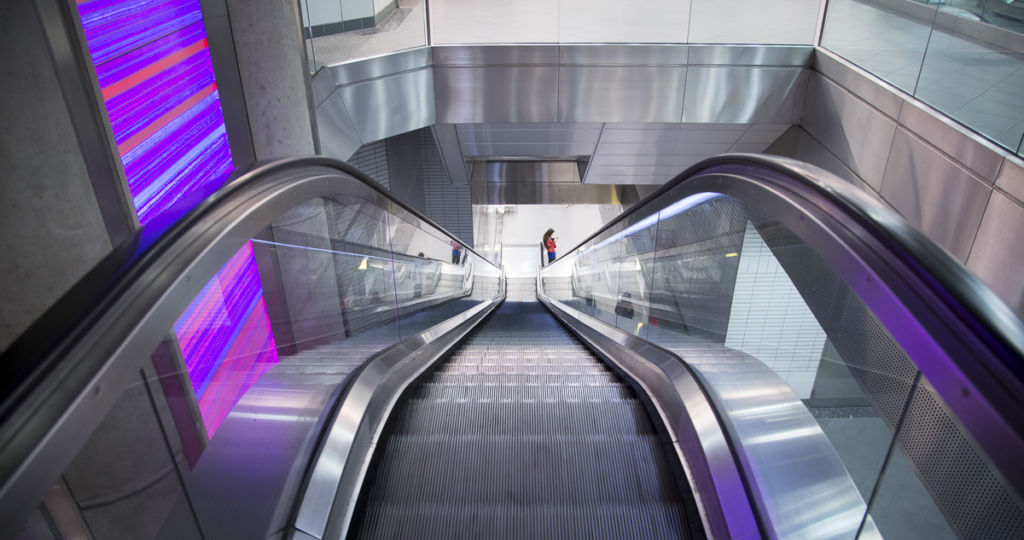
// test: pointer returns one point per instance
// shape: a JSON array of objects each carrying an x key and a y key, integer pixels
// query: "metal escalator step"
[
  {"x": 444, "y": 392},
  {"x": 505, "y": 521},
  {"x": 521, "y": 470},
  {"x": 523, "y": 418},
  {"x": 522, "y": 379},
  {"x": 525, "y": 369}
]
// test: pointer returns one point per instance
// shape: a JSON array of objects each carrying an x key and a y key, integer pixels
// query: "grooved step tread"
[{"x": 521, "y": 433}]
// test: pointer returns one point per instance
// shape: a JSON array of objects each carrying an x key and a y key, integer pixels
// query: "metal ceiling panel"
[
  {"x": 743, "y": 94},
  {"x": 620, "y": 94},
  {"x": 496, "y": 94},
  {"x": 391, "y": 105},
  {"x": 622, "y": 55},
  {"x": 553, "y": 193},
  {"x": 529, "y": 140},
  {"x": 514, "y": 172}
]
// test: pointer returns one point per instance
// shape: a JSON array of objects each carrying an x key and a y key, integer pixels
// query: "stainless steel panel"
[
  {"x": 670, "y": 133},
  {"x": 1011, "y": 177},
  {"x": 323, "y": 86},
  {"x": 659, "y": 150},
  {"x": 496, "y": 94},
  {"x": 564, "y": 172},
  {"x": 863, "y": 85},
  {"x": 763, "y": 133},
  {"x": 796, "y": 143},
  {"x": 742, "y": 95},
  {"x": 622, "y": 55},
  {"x": 494, "y": 55},
  {"x": 523, "y": 193},
  {"x": 384, "y": 107},
  {"x": 999, "y": 249},
  {"x": 528, "y": 139},
  {"x": 933, "y": 193},
  {"x": 970, "y": 150},
  {"x": 339, "y": 137},
  {"x": 751, "y": 55},
  {"x": 620, "y": 94},
  {"x": 449, "y": 146},
  {"x": 856, "y": 133},
  {"x": 380, "y": 66}
]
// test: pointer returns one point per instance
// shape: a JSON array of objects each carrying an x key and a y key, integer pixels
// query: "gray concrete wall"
[{"x": 53, "y": 229}]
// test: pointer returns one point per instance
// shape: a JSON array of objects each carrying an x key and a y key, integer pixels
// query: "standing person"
[
  {"x": 549, "y": 243},
  {"x": 456, "y": 252}
]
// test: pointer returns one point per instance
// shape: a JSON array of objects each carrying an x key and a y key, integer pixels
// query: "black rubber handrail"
[
  {"x": 36, "y": 352},
  {"x": 947, "y": 280}
]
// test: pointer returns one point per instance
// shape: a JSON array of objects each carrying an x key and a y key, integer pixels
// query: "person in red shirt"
[{"x": 549, "y": 243}]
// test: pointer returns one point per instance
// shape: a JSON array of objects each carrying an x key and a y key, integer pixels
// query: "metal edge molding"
[
  {"x": 325, "y": 506},
  {"x": 698, "y": 437}
]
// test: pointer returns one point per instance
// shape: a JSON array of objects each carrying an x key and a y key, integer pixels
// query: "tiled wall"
[{"x": 770, "y": 321}]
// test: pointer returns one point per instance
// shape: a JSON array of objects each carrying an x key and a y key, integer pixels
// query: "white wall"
[
  {"x": 790, "y": 22},
  {"x": 770, "y": 321},
  {"x": 524, "y": 225}
]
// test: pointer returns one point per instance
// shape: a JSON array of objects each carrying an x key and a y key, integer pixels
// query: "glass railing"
[
  {"x": 772, "y": 294},
  {"x": 258, "y": 309},
  {"x": 964, "y": 58},
  {"x": 337, "y": 31}
]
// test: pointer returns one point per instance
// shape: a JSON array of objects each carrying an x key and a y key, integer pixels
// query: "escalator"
[
  {"x": 755, "y": 350},
  {"x": 523, "y": 433}
]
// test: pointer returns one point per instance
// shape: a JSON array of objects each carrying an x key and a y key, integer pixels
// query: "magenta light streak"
[{"x": 225, "y": 337}]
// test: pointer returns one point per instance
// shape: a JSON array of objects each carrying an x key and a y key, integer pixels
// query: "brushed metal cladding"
[
  {"x": 380, "y": 66},
  {"x": 566, "y": 172},
  {"x": 743, "y": 95},
  {"x": 943, "y": 200},
  {"x": 620, "y": 94},
  {"x": 622, "y": 55},
  {"x": 323, "y": 86},
  {"x": 790, "y": 462},
  {"x": 932, "y": 439},
  {"x": 529, "y": 140},
  {"x": 522, "y": 193},
  {"x": 855, "y": 132},
  {"x": 449, "y": 147},
  {"x": 496, "y": 94},
  {"x": 670, "y": 133},
  {"x": 969, "y": 149},
  {"x": 1011, "y": 177},
  {"x": 494, "y": 55},
  {"x": 391, "y": 105},
  {"x": 998, "y": 249},
  {"x": 339, "y": 137},
  {"x": 751, "y": 55},
  {"x": 796, "y": 143},
  {"x": 875, "y": 91}
]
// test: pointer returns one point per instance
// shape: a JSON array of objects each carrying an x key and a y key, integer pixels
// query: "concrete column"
[{"x": 274, "y": 79}]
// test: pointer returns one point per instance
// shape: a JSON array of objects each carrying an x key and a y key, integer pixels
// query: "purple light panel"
[
  {"x": 153, "y": 65},
  {"x": 225, "y": 337}
]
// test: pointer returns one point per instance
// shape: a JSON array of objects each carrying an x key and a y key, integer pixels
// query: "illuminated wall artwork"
[
  {"x": 154, "y": 69},
  {"x": 225, "y": 337}
]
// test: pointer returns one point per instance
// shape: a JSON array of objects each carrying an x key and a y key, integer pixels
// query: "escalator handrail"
[
  {"x": 946, "y": 280},
  {"x": 36, "y": 355}
]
